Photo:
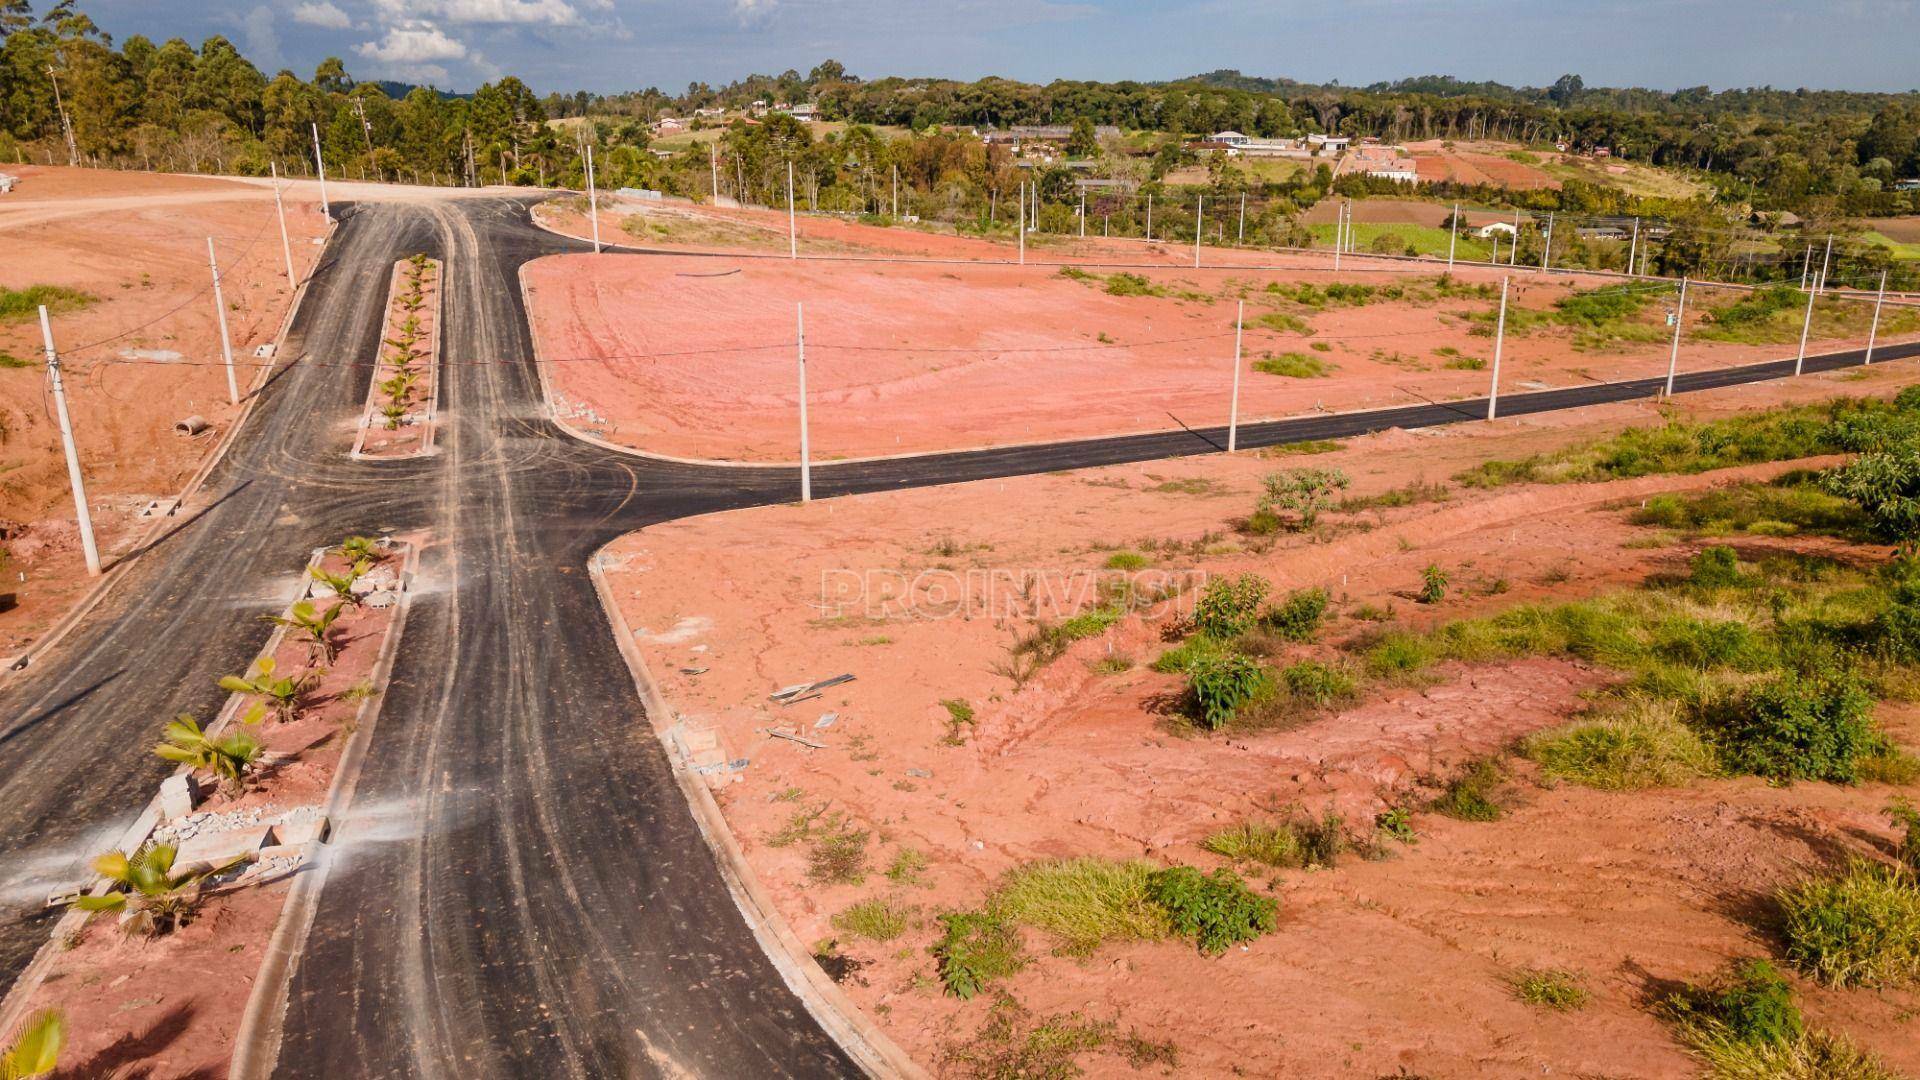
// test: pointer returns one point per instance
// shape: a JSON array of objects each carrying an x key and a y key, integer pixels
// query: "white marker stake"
[
  {"x": 1339, "y": 239},
  {"x": 1241, "y": 238},
  {"x": 1233, "y": 412},
  {"x": 806, "y": 459},
  {"x": 1453, "y": 236},
  {"x": 1022, "y": 230},
  {"x": 1873, "y": 333},
  {"x": 793, "y": 223},
  {"x": 320, "y": 167},
  {"x": 74, "y": 479},
  {"x": 220, "y": 309},
  {"x": 1499, "y": 339},
  {"x": 593, "y": 201},
  {"x": 1199, "y": 224},
  {"x": 286, "y": 247},
  {"x": 1679, "y": 320},
  {"x": 1806, "y": 327}
]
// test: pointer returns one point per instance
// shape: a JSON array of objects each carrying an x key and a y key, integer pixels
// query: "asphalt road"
[{"x": 519, "y": 888}]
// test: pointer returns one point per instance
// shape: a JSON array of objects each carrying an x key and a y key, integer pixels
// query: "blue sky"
[{"x": 610, "y": 45}]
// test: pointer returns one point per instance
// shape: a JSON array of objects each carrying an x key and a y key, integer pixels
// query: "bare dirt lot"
[
  {"x": 1475, "y": 163},
  {"x": 694, "y": 357},
  {"x": 1377, "y": 967},
  {"x": 140, "y": 348}
]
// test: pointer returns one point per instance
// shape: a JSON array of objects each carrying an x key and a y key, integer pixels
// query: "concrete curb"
[
  {"x": 856, "y": 1033},
  {"x": 256, "y": 1045},
  {"x": 81, "y": 610}
]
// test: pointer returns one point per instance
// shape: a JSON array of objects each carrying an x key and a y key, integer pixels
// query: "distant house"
[
  {"x": 1230, "y": 138},
  {"x": 1603, "y": 151},
  {"x": 1334, "y": 143},
  {"x": 1602, "y": 232},
  {"x": 668, "y": 125},
  {"x": 710, "y": 113},
  {"x": 1381, "y": 163},
  {"x": 1495, "y": 228},
  {"x": 1907, "y": 185},
  {"x": 1043, "y": 133},
  {"x": 803, "y": 112}
]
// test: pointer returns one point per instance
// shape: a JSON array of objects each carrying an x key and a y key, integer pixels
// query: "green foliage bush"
[
  {"x": 1753, "y": 1003},
  {"x": 1717, "y": 567},
  {"x": 1318, "y": 684},
  {"x": 1228, "y": 607},
  {"x": 1470, "y": 796},
  {"x": 1294, "y": 365},
  {"x": 1812, "y": 726},
  {"x": 976, "y": 948},
  {"x": 1305, "y": 492},
  {"x": 1220, "y": 684},
  {"x": 1216, "y": 911},
  {"x": 1298, "y": 617},
  {"x": 1082, "y": 902},
  {"x": 1644, "y": 744}
]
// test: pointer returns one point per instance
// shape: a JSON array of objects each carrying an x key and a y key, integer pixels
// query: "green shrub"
[
  {"x": 1753, "y": 1003},
  {"x": 1220, "y": 684},
  {"x": 1400, "y": 653},
  {"x": 1433, "y": 584},
  {"x": 1185, "y": 655},
  {"x": 1885, "y": 485},
  {"x": 1799, "y": 727},
  {"x": 1306, "y": 492},
  {"x": 17, "y": 305},
  {"x": 976, "y": 948},
  {"x": 878, "y": 919},
  {"x": 1906, "y": 817},
  {"x": 1317, "y": 684},
  {"x": 959, "y": 719},
  {"x": 1716, "y": 567},
  {"x": 1298, "y": 617},
  {"x": 1469, "y": 796},
  {"x": 1294, "y": 365},
  {"x": 1127, "y": 560},
  {"x": 1082, "y": 902},
  {"x": 1216, "y": 911},
  {"x": 1125, "y": 284},
  {"x": 1550, "y": 989},
  {"x": 1642, "y": 745},
  {"x": 1861, "y": 928},
  {"x": 1229, "y": 606}
]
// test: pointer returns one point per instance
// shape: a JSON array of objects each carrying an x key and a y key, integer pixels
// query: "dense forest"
[{"x": 69, "y": 92}]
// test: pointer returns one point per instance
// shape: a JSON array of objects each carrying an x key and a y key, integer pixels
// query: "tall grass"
[{"x": 17, "y": 305}]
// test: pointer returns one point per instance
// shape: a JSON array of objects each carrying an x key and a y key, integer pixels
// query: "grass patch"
[
  {"x": 1293, "y": 365},
  {"x": 1550, "y": 989},
  {"x": 975, "y": 948},
  {"x": 1745, "y": 1026},
  {"x": 1127, "y": 561},
  {"x": 1014, "y": 1045},
  {"x": 1470, "y": 796},
  {"x": 1125, "y": 284},
  {"x": 1298, "y": 841},
  {"x": 1861, "y": 928},
  {"x": 8, "y": 360},
  {"x": 1687, "y": 447},
  {"x": 1786, "y": 507},
  {"x": 879, "y": 919},
  {"x": 19, "y": 305},
  {"x": 1281, "y": 322},
  {"x": 1082, "y": 903},
  {"x": 1412, "y": 494},
  {"x": 1311, "y": 446},
  {"x": 1645, "y": 743}
]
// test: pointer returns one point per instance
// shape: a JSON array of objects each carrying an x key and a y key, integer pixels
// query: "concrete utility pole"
[
  {"x": 896, "y": 192},
  {"x": 1513, "y": 256},
  {"x": 1633, "y": 252},
  {"x": 74, "y": 479},
  {"x": 593, "y": 201},
  {"x": 1826, "y": 263},
  {"x": 1806, "y": 265},
  {"x": 1149, "y": 217},
  {"x": 66, "y": 126},
  {"x": 1453, "y": 236},
  {"x": 1199, "y": 224},
  {"x": 1233, "y": 411},
  {"x": 1022, "y": 230},
  {"x": 793, "y": 222},
  {"x": 1083, "y": 213},
  {"x": 286, "y": 246},
  {"x": 1679, "y": 320},
  {"x": 713, "y": 169},
  {"x": 320, "y": 169},
  {"x": 806, "y": 458},
  {"x": 1806, "y": 327},
  {"x": 1873, "y": 332},
  {"x": 1499, "y": 339},
  {"x": 1546, "y": 249},
  {"x": 220, "y": 310},
  {"x": 1241, "y": 236}
]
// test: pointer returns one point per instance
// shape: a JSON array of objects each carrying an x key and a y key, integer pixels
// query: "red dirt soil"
[
  {"x": 693, "y": 357},
  {"x": 136, "y": 242},
  {"x": 1472, "y": 163},
  {"x": 1376, "y": 967},
  {"x": 173, "y": 1004}
]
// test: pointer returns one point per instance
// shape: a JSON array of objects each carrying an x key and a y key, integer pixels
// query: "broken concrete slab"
[
  {"x": 178, "y": 796},
  {"x": 220, "y": 848}
]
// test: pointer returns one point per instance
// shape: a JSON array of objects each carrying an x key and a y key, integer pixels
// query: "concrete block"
[
  {"x": 178, "y": 796},
  {"x": 222, "y": 847},
  {"x": 301, "y": 832}
]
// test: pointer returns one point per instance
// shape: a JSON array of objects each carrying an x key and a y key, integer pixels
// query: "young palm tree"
[
  {"x": 342, "y": 584},
  {"x": 282, "y": 694},
  {"x": 360, "y": 549},
  {"x": 229, "y": 757},
  {"x": 315, "y": 624},
  {"x": 34, "y": 1049},
  {"x": 157, "y": 899}
]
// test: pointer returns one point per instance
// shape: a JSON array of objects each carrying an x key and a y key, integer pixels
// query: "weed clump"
[
  {"x": 1298, "y": 617},
  {"x": 975, "y": 948},
  {"x": 1470, "y": 796},
  {"x": 1861, "y": 928},
  {"x": 1083, "y": 902},
  {"x": 878, "y": 919},
  {"x": 1216, "y": 911},
  {"x": 1550, "y": 989}
]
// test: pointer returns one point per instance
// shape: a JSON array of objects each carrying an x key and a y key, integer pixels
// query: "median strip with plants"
[
  {"x": 200, "y": 878},
  {"x": 405, "y": 393}
]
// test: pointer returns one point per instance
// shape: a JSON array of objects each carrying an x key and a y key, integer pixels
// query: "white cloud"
[
  {"x": 754, "y": 11},
  {"x": 324, "y": 14},
  {"x": 413, "y": 43},
  {"x": 549, "y": 12},
  {"x": 262, "y": 38}
]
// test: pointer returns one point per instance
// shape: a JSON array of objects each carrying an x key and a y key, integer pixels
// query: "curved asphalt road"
[{"x": 519, "y": 888}]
